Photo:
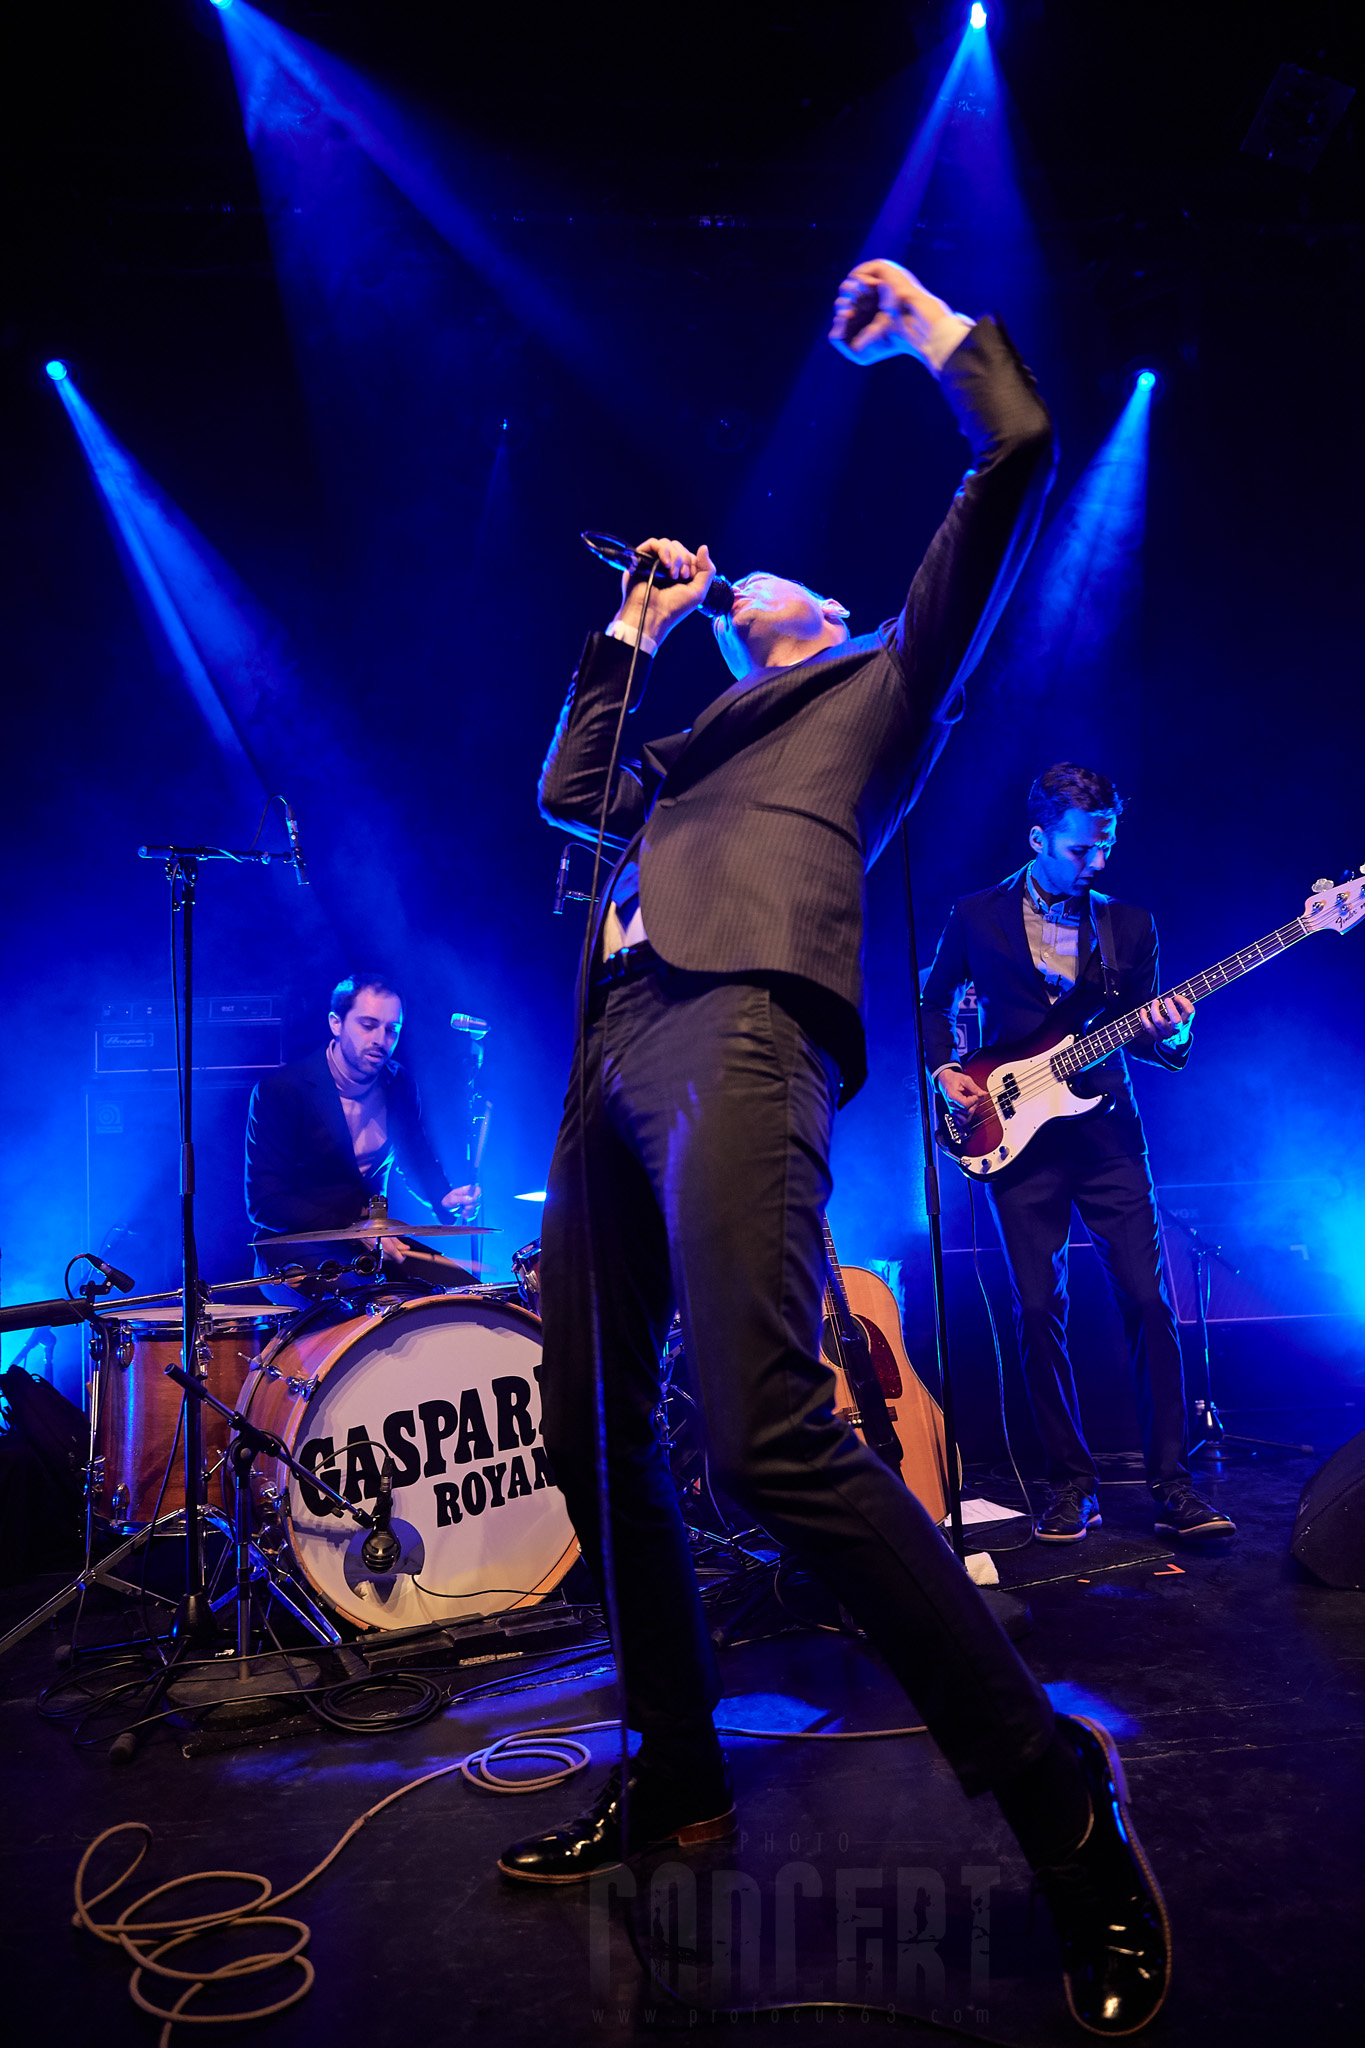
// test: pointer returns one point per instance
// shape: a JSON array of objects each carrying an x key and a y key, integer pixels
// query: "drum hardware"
[
  {"x": 113, "y": 1343},
  {"x": 252, "y": 1563},
  {"x": 302, "y": 1390}
]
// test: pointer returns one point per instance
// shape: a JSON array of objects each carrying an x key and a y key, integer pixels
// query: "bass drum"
[{"x": 447, "y": 1386}]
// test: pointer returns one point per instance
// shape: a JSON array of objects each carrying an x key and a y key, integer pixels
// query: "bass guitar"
[
  {"x": 1027, "y": 1084},
  {"x": 877, "y": 1390}
]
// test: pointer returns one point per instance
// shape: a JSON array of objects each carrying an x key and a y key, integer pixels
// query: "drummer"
[{"x": 324, "y": 1134}]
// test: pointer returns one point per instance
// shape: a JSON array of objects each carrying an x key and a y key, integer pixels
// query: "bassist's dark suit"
[
  {"x": 710, "y": 1086},
  {"x": 1099, "y": 1163}
]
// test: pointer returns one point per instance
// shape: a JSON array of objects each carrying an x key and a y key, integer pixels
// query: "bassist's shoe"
[
  {"x": 664, "y": 1808},
  {"x": 1180, "y": 1512},
  {"x": 1068, "y": 1515},
  {"x": 1108, "y": 1912}
]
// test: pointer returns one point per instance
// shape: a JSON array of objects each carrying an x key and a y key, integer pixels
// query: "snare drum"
[
  {"x": 139, "y": 1406},
  {"x": 447, "y": 1387}
]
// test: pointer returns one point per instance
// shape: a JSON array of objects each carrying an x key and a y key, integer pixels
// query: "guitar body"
[
  {"x": 915, "y": 1415},
  {"x": 1025, "y": 1094}
]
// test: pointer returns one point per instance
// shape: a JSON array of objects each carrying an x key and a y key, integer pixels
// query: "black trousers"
[
  {"x": 1099, "y": 1166},
  {"x": 704, "y": 1147}
]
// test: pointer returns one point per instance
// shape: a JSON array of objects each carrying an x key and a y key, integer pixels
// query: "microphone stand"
[
  {"x": 194, "y": 1621},
  {"x": 934, "y": 1212},
  {"x": 1211, "y": 1435},
  {"x": 1011, "y": 1613}
]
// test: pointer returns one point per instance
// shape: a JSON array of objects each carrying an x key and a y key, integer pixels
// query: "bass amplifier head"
[{"x": 1329, "y": 1529}]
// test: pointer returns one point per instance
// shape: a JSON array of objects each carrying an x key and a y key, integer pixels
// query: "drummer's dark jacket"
[
  {"x": 300, "y": 1165},
  {"x": 754, "y": 830}
]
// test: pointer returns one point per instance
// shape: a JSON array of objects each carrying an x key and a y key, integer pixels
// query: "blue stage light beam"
[
  {"x": 976, "y": 19},
  {"x": 1068, "y": 640},
  {"x": 962, "y": 114},
  {"x": 57, "y": 370},
  {"x": 223, "y": 645},
  {"x": 1087, "y": 576},
  {"x": 282, "y": 79}
]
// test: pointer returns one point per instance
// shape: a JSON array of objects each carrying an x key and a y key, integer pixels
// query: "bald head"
[{"x": 777, "y": 622}]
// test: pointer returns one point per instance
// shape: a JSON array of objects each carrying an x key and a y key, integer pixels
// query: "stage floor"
[{"x": 1233, "y": 1685}]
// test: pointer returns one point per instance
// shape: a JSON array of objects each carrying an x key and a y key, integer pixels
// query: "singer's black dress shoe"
[
  {"x": 1067, "y": 1515},
  {"x": 1180, "y": 1512},
  {"x": 1109, "y": 1915},
  {"x": 664, "y": 1808}
]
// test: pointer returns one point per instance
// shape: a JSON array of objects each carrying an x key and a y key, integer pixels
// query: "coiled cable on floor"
[
  {"x": 352, "y": 1706},
  {"x": 568, "y": 1757},
  {"x": 147, "y": 1943}
]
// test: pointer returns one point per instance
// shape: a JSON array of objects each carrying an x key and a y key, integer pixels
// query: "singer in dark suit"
[
  {"x": 1043, "y": 935},
  {"x": 724, "y": 1026}
]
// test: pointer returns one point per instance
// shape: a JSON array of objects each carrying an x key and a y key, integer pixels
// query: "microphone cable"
[{"x": 585, "y": 967}]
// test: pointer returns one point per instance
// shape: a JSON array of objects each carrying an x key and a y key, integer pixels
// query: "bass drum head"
[{"x": 449, "y": 1389}]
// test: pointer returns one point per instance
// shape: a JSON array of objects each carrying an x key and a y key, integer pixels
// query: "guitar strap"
[{"x": 1102, "y": 910}]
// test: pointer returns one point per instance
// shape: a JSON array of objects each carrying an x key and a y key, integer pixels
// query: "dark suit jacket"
[
  {"x": 755, "y": 829},
  {"x": 984, "y": 943},
  {"x": 300, "y": 1164}
]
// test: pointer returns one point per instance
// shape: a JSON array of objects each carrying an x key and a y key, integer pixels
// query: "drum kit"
[{"x": 375, "y": 1451}]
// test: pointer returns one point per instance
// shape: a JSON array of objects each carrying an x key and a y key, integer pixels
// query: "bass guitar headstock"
[{"x": 1336, "y": 906}]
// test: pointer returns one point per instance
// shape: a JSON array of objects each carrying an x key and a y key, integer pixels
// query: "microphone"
[
  {"x": 381, "y": 1550},
  {"x": 111, "y": 1273},
  {"x": 472, "y": 1027},
  {"x": 718, "y": 602},
  {"x": 291, "y": 826}
]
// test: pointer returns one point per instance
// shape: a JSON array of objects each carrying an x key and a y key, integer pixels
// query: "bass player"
[{"x": 1024, "y": 945}]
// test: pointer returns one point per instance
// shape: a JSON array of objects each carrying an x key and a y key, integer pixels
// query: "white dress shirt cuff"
[{"x": 619, "y": 630}]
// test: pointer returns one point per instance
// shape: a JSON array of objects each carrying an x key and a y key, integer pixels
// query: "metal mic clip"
[
  {"x": 563, "y": 893},
  {"x": 291, "y": 826}
]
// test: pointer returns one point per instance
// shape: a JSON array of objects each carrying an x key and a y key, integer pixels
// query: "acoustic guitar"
[{"x": 877, "y": 1390}]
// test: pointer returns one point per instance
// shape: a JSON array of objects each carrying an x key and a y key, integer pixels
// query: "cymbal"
[{"x": 372, "y": 1227}]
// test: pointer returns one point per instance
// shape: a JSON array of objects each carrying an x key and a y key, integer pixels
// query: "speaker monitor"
[{"x": 1329, "y": 1529}]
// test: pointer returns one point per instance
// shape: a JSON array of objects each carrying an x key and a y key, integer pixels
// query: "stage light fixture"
[
  {"x": 1146, "y": 380},
  {"x": 977, "y": 17},
  {"x": 57, "y": 370},
  {"x": 220, "y": 4}
]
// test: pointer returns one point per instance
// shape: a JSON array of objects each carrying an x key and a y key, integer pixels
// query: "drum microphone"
[
  {"x": 111, "y": 1273},
  {"x": 381, "y": 1550},
  {"x": 291, "y": 826},
  {"x": 718, "y": 602}
]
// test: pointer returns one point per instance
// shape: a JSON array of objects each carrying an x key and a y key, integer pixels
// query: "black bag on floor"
[{"x": 42, "y": 1453}]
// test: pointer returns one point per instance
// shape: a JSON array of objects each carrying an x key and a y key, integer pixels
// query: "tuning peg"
[{"x": 1323, "y": 882}]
